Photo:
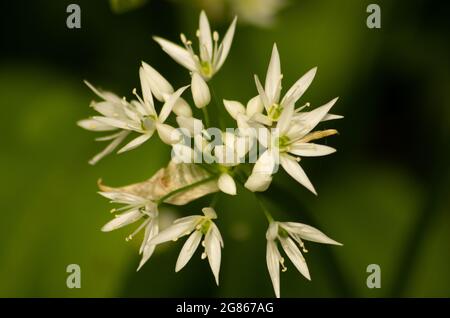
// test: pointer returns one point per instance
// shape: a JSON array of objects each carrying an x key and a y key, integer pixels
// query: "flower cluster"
[{"x": 272, "y": 130}]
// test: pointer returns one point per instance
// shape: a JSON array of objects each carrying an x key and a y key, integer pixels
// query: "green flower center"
[
  {"x": 274, "y": 112},
  {"x": 206, "y": 68},
  {"x": 282, "y": 142}
]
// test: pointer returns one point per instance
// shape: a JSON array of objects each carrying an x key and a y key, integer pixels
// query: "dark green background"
[{"x": 384, "y": 194}]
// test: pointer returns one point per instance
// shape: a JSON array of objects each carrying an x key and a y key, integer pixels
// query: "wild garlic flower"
[
  {"x": 290, "y": 235},
  {"x": 287, "y": 143},
  {"x": 135, "y": 116},
  {"x": 211, "y": 55},
  {"x": 198, "y": 227},
  {"x": 135, "y": 209}
]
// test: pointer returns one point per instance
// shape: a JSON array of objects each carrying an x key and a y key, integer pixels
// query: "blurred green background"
[{"x": 384, "y": 194}]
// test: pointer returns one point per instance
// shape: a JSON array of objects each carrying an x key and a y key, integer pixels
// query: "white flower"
[
  {"x": 135, "y": 209},
  {"x": 200, "y": 91},
  {"x": 291, "y": 138},
  {"x": 197, "y": 226},
  {"x": 290, "y": 236},
  {"x": 286, "y": 144},
  {"x": 211, "y": 56}
]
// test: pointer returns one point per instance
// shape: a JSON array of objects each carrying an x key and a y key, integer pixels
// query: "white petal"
[
  {"x": 310, "y": 149},
  {"x": 118, "y": 123},
  {"x": 94, "y": 125},
  {"x": 273, "y": 77},
  {"x": 295, "y": 256},
  {"x": 122, "y": 220},
  {"x": 146, "y": 88},
  {"x": 188, "y": 250},
  {"x": 168, "y": 134},
  {"x": 295, "y": 171},
  {"x": 234, "y": 108},
  {"x": 122, "y": 197},
  {"x": 258, "y": 182},
  {"x": 262, "y": 94},
  {"x": 182, "y": 108},
  {"x": 108, "y": 96},
  {"x": 170, "y": 103},
  {"x": 331, "y": 117},
  {"x": 273, "y": 265},
  {"x": 174, "y": 231},
  {"x": 209, "y": 212},
  {"x": 110, "y": 148},
  {"x": 226, "y": 184},
  {"x": 200, "y": 91},
  {"x": 136, "y": 142},
  {"x": 300, "y": 87},
  {"x": 179, "y": 54},
  {"x": 226, "y": 44},
  {"x": 109, "y": 109},
  {"x": 308, "y": 233},
  {"x": 147, "y": 249},
  {"x": 205, "y": 40},
  {"x": 285, "y": 119},
  {"x": 213, "y": 250},
  {"x": 254, "y": 106},
  {"x": 158, "y": 84}
]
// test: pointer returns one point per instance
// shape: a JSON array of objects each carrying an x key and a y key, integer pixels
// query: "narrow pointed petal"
[
  {"x": 193, "y": 125},
  {"x": 200, "y": 91},
  {"x": 146, "y": 88},
  {"x": 234, "y": 108},
  {"x": 226, "y": 184},
  {"x": 262, "y": 94},
  {"x": 122, "y": 220},
  {"x": 273, "y": 77},
  {"x": 136, "y": 142},
  {"x": 295, "y": 256},
  {"x": 226, "y": 45},
  {"x": 168, "y": 105},
  {"x": 113, "y": 122},
  {"x": 174, "y": 232},
  {"x": 273, "y": 265},
  {"x": 188, "y": 250},
  {"x": 110, "y": 148},
  {"x": 147, "y": 249},
  {"x": 107, "y": 96},
  {"x": 213, "y": 250},
  {"x": 94, "y": 125},
  {"x": 179, "y": 54},
  {"x": 205, "y": 39},
  {"x": 158, "y": 84},
  {"x": 331, "y": 117},
  {"x": 122, "y": 197},
  {"x": 292, "y": 167},
  {"x": 308, "y": 233},
  {"x": 300, "y": 87},
  {"x": 310, "y": 149},
  {"x": 258, "y": 182}
]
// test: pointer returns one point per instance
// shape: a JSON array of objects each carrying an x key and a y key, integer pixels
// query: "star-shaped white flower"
[
  {"x": 135, "y": 116},
  {"x": 211, "y": 56},
  {"x": 197, "y": 226},
  {"x": 135, "y": 208},
  {"x": 290, "y": 235},
  {"x": 287, "y": 143}
]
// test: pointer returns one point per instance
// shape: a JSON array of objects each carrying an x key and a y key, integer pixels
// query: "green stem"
[
  {"x": 264, "y": 209},
  {"x": 206, "y": 116},
  {"x": 182, "y": 189}
]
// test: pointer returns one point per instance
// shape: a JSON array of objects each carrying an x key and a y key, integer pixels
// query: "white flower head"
[
  {"x": 290, "y": 235},
  {"x": 211, "y": 55},
  {"x": 198, "y": 227},
  {"x": 135, "y": 209}
]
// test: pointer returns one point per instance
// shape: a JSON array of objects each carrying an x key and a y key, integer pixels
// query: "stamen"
[
  {"x": 183, "y": 38},
  {"x": 215, "y": 36},
  {"x": 130, "y": 237},
  {"x": 204, "y": 255},
  {"x": 137, "y": 96},
  {"x": 283, "y": 268}
]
